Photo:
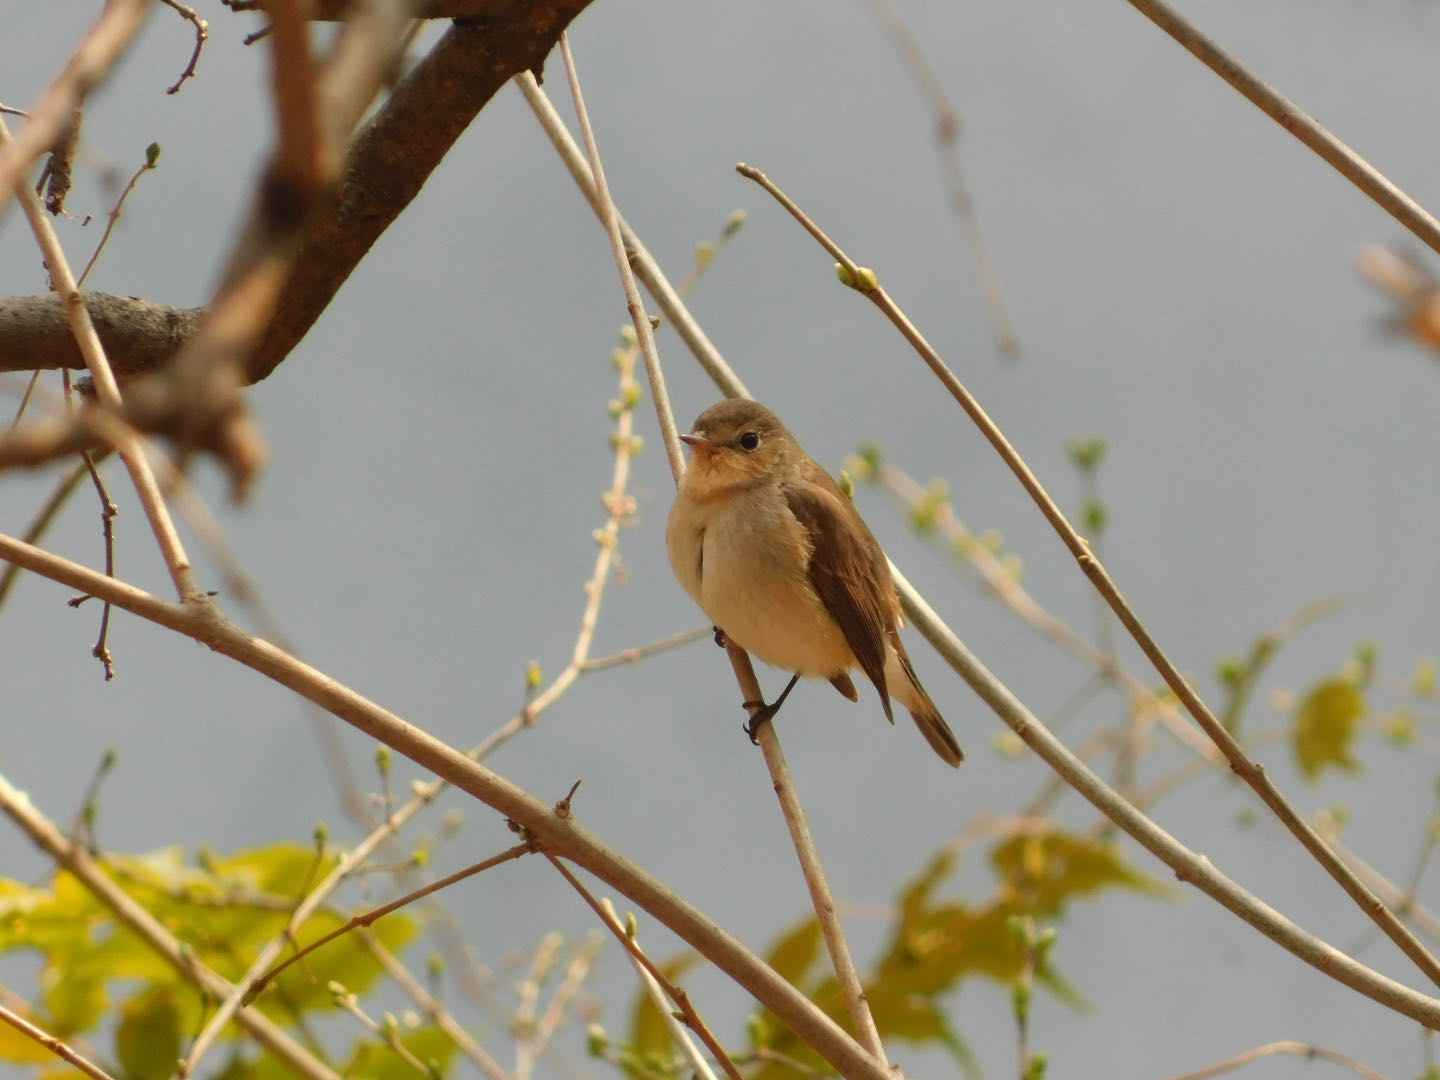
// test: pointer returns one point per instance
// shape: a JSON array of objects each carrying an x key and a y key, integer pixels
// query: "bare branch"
[
  {"x": 865, "y": 281},
  {"x": 555, "y": 833},
  {"x": 118, "y": 23}
]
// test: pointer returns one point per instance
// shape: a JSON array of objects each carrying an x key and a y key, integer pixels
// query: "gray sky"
[{"x": 1182, "y": 277}]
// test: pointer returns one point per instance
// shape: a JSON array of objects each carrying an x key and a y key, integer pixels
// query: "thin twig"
[
  {"x": 372, "y": 916},
  {"x": 575, "y": 974},
  {"x": 540, "y": 965},
  {"x": 678, "y": 1031},
  {"x": 640, "y": 652},
  {"x": 1309, "y": 1051},
  {"x": 130, "y": 449},
  {"x": 438, "y": 1014},
  {"x": 644, "y": 264},
  {"x": 152, "y": 155},
  {"x": 1188, "y": 865},
  {"x": 387, "y": 1031},
  {"x": 108, "y": 510},
  {"x": 117, "y": 24},
  {"x": 1304, "y": 127},
  {"x": 54, "y": 1045},
  {"x": 831, "y": 928},
  {"x": 1004, "y": 587},
  {"x": 131, "y": 914},
  {"x": 774, "y": 759},
  {"x": 693, "y": 1020},
  {"x": 565, "y": 837},
  {"x": 947, "y": 136},
  {"x": 43, "y": 520},
  {"x": 202, "y": 34},
  {"x": 1250, "y": 771},
  {"x": 636, "y": 306}
]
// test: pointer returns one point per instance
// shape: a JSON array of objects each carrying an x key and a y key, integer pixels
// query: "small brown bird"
[{"x": 776, "y": 555}]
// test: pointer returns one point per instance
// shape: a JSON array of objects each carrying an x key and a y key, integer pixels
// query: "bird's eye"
[{"x": 749, "y": 442}]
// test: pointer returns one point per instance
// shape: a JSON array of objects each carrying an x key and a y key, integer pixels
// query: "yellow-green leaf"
[
  {"x": 794, "y": 954},
  {"x": 649, "y": 1032},
  {"x": 1325, "y": 727},
  {"x": 148, "y": 1038}
]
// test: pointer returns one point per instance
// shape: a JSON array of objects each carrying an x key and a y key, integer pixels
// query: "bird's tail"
[
  {"x": 937, "y": 733},
  {"x": 908, "y": 691}
]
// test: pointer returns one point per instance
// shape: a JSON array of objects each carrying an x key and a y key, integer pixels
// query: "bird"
[{"x": 762, "y": 538}]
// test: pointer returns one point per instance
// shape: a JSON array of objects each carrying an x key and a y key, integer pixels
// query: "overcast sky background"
[{"x": 1182, "y": 275}]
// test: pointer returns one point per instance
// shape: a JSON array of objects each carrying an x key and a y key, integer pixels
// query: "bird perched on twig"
[{"x": 764, "y": 540}]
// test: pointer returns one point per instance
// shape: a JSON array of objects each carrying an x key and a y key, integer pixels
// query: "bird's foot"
[
  {"x": 719, "y": 636},
  {"x": 763, "y": 714}
]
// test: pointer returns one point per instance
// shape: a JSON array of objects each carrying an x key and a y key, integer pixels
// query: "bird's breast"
[{"x": 745, "y": 560}]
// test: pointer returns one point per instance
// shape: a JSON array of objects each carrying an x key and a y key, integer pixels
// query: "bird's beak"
[{"x": 697, "y": 441}]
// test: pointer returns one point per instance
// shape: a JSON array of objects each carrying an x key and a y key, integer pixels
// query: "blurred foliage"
[
  {"x": 1326, "y": 725},
  {"x": 98, "y": 978},
  {"x": 934, "y": 943}
]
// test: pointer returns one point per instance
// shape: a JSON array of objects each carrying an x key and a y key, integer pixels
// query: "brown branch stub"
[
  {"x": 394, "y": 154},
  {"x": 139, "y": 337}
]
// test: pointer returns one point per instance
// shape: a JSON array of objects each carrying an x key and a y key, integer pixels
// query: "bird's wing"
[{"x": 844, "y": 571}]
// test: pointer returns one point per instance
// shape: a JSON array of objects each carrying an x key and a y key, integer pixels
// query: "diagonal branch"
[
  {"x": 865, "y": 281},
  {"x": 555, "y": 833}
]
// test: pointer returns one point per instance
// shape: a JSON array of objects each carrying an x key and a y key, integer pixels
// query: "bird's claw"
[
  {"x": 762, "y": 715},
  {"x": 719, "y": 636}
]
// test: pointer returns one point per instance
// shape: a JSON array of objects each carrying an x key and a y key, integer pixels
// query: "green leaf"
[
  {"x": 375, "y": 1060},
  {"x": 1325, "y": 727},
  {"x": 148, "y": 1038},
  {"x": 649, "y": 1033},
  {"x": 1049, "y": 869},
  {"x": 795, "y": 954}
]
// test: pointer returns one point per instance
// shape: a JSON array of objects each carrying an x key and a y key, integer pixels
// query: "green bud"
[
  {"x": 321, "y": 835},
  {"x": 596, "y": 1041},
  {"x": 632, "y": 925},
  {"x": 383, "y": 757},
  {"x": 1020, "y": 1001},
  {"x": 735, "y": 223},
  {"x": 627, "y": 336},
  {"x": 1094, "y": 514},
  {"x": 619, "y": 358},
  {"x": 1035, "y": 1068},
  {"x": 1366, "y": 652},
  {"x": 847, "y": 485},
  {"x": 152, "y": 155},
  {"x": 870, "y": 454},
  {"x": 757, "y": 1030},
  {"x": 534, "y": 675},
  {"x": 1230, "y": 671},
  {"x": 391, "y": 1024},
  {"x": 704, "y": 253},
  {"x": 1424, "y": 680},
  {"x": 863, "y": 281},
  {"x": 1086, "y": 454},
  {"x": 435, "y": 965},
  {"x": 1008, "y": 744},
  {"x": 1399, "y": 727}
]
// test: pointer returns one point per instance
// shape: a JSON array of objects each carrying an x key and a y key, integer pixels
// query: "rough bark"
[{"x": 387, "y": 164}]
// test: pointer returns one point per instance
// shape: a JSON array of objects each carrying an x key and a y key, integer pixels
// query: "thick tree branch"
[{"x": 386, "y": 166}]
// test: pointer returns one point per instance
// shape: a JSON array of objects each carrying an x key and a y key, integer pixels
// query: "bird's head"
[{"x": 735, "y": 443}]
